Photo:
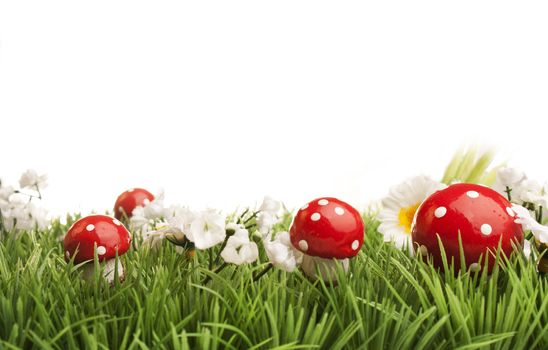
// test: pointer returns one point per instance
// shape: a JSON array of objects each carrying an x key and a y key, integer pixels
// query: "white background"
[{"x": 220, "y": 103}]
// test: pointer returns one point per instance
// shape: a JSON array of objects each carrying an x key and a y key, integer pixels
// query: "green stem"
[
  {"x": 217, "y": 270},
  {"x": 241, "y": 216},
  {"x": 251, "y": 217},
  {"x": 223, "y": 246},
  {"x": 262, "y": 273},
  {"x": 508, "y": 193}
]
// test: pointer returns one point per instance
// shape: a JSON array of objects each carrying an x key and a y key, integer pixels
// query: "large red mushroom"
[
  {"x": 326, "y": 230},
  {"x": 128, "y": 200},
  {"x": 102, "y": 234},
  {"x": 481, "y": 216}
]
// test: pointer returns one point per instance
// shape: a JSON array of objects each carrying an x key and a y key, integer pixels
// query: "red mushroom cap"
[
  {"x": 130, "y": 199},
  {"x": 328, "y": 228},
  {"x": 109, "y": 234},
  {"x": 482, "y": 217}
]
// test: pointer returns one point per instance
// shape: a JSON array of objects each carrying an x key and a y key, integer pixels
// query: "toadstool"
[
  {"x": 481, "y": 216},
  {"x": 101, "y": 233},
  {"x": 325, "y": 230},
  {"x": 130, "y": 199}
]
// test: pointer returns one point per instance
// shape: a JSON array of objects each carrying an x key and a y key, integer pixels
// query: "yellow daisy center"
[{"x": 405, "y": 217}]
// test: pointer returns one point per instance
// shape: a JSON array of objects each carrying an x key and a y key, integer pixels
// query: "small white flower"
[
  {"x": 207, "y": 229},
  {"x": 38, "y": 215},
  {"x": 528, "y": 223},
  {"x": 510, "y": 177},
  {"x": 399, "y": 208},
  {"x": 531, "y": 191},
  {"x": 239, "y": 249},
  {"x": 270, "y": 205},
  {"x": 5, "y": 193},
  {"x": 281, "y": 253},
  {"x": 268, "y": 215},
  {"x": 523, "y": 217},
  {"x": 30, "y": 179},
  {"x": 153, "y": 239}
]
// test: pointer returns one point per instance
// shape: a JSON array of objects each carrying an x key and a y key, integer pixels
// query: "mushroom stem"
[
  {"x": 327, "y": 268},
  {"x": 108, "y": 270}
]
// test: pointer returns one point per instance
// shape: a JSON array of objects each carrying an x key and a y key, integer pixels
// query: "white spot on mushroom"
[
  {"x": 67, "y": 254},
  {"x": 472, "y": 194},
  {"x": 475, "y": 267},
  {"x": 339, "y": 211},
  {"x": 315, "y": 217},
  {"x": 422, "y": 250},
  {"x": 146, "y": 201},
  {"x": 116, "y": 222},
  {"x": 510, "y": 212},
  {"x": 303, "y": 245},
  {"x": 90, "y": 227},
  {"x": 131, "y": 190},
  {"x": 304, "y": 206},
  {"x": 355, "y": 244},
  {"x": 323, "y": 202},
  {"x": 440, "y": 212},
  {"x": 486, "y": 229},
  {"x": 101, "y": 250},
  {"x": 120, "y": 209}
]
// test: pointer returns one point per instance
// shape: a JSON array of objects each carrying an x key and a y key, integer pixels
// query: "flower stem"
[
  {"x": 223, "y": 246},
  {"x": 262, "y": 273},
  {"x": 508, "y": 193},
  {"x": 251, "y": 217},
  {"x": 217, "y": 270}
]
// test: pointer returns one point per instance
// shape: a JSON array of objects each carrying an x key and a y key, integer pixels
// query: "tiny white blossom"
[
  {"x": 268, "y": 215},
  {"x": 531, "y": 191},
  {"x": 523, "y": 217},
  {"x": 5, "y": 193},
  {"x": 528, "y": 223},
  {"x": 281, "y": 253},
  {"x": 207, "y": 229},
  {"x": 153, "y": 239},
  {"x": 239, "y": 249},
  {"x": 510, "y": 176},
  {"x": 31, "y": 179},
  {"x": 270, "y": 205}
]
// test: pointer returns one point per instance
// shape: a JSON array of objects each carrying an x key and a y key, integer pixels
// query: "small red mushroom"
[
  {"x": 130, "y": 199},
  {"x": 101, "y": 233},
  {"x": 327, "y": 229},
  {"x": 481, "y": 216}
]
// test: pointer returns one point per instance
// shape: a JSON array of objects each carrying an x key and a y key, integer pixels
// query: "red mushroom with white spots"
[
  {"x": 326, "y": 230},
  {"x": 128, "y": 200},
  {"x": 481, "y": 216},
  {"x": 102, "y": 234}
]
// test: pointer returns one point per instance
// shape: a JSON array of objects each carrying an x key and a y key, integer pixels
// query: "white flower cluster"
[
  {"x": 514, "y": 184},
  {"x": 206, "y": 229},
  {"x": 530, "y": 199},
  {"x": 155, "y": 222},
  {"x": 18, "y": 211}
]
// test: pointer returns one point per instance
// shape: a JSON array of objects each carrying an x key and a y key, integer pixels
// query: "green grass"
[{"x": 388, "y": 300}]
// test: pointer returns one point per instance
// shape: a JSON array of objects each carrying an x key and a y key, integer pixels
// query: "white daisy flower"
[
  {"x": 281, "y": 253},
  {"x": 399, "y": 208},
  {"x": 239, "y": 249}
]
